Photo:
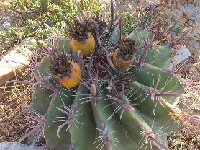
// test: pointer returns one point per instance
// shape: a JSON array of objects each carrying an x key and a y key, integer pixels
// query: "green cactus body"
[{"x": 95, "y": 115}]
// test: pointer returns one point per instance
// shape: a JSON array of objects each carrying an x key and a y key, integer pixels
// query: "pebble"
[{"x": 19, "y": 146}]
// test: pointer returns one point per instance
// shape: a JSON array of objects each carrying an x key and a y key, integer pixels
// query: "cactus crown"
[
  {"x": 60, "y": 66},
  {"x": 126, "y": 49},
  {"x": 110, "y": 108},
  {"x": 79, "y": 30}
]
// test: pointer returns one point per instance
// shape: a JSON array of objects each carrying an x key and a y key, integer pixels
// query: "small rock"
[
  {"x": 19, "y": 146},
  {"x": 181, "y": 55},
  {"x": 198, "y": 139},
  {"x": 15, "y": 61},
  {"x": 6, "y": 26}
]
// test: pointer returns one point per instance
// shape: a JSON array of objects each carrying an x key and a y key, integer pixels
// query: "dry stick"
[
  {"x": 78, "y": 7},
  {"x": 120, "y": 29},
  {"x": 112, "y": 14}
]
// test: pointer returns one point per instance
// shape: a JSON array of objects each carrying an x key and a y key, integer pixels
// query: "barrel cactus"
[{"x": 116, "y": 93}]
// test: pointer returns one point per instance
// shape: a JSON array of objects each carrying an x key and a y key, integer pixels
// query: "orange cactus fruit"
[
  {"x": 74, "y": 79},
  {"x": 124, "y": 56},
  {"x": 120, "y": 63},
  {"x": 87, "y": 46}
]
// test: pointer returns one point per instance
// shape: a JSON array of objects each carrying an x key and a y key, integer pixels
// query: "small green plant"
[
  {"x": 129, "y": 21},
  {"x": 116, "y": 97},
  {"x": 40, "y": 19},
  {"x": 176, "y": 29}
]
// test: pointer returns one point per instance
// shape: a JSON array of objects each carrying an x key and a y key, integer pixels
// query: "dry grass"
[{"x": 14, "y": 115}]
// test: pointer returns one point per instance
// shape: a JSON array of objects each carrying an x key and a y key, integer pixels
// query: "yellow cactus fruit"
[
  {"x": 74, "y": 79},
  {"x": 124, "y": 56},
  {"x": 120, "y": 63},
  {"x": 87, "y": 47}
]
